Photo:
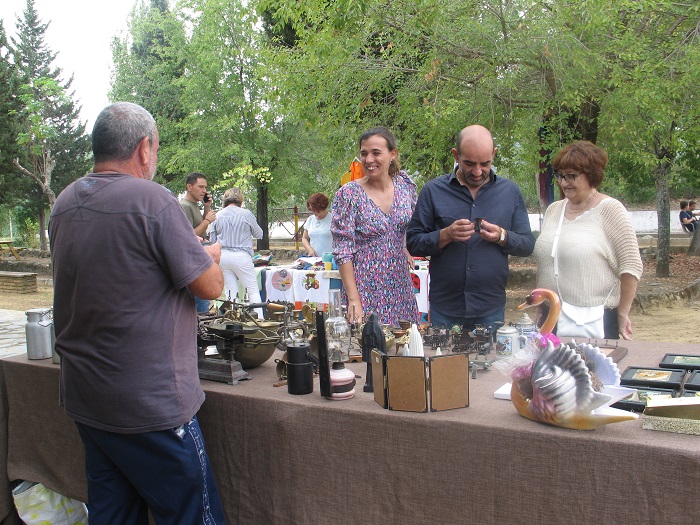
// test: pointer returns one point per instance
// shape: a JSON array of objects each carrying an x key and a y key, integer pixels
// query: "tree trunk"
[
  {"x": 584, "y": 120},
  {"x": 43, "y": 241},
  {"x": 663, "y": 209},
  {"x": 264, "y": 243},
  {"x": 694, "y": 248}
]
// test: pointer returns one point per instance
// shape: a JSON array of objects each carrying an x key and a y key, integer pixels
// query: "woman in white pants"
[{"x": 235, "y": 228}]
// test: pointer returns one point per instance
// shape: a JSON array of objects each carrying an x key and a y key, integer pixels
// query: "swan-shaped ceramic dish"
[{"x": 552, "y": 381}]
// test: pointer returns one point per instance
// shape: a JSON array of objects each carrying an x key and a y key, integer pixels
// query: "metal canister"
[
  {"x": 40, "y": 333},
  {"x": 525, "y": 325}
]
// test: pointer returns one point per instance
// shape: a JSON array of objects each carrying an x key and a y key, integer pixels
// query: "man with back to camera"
[
  {"x": 124, "y": 257},
  {"x": 469, "y": 267}
]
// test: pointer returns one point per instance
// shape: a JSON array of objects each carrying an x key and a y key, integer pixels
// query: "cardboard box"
[
  {"x": 678, "y": 414},
  {"x": 421, "y": 384}
]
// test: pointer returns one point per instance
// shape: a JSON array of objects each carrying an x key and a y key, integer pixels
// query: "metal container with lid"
[
  {"x": 525, "y": 325},
  {"x": 40, "y": 333}
]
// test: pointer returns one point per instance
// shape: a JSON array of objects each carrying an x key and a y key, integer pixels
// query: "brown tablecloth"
[{"x": 283, "y": 459}]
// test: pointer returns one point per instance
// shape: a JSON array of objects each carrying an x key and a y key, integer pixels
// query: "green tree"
[
  {"x": 619, "y": 72},
  {"x": 149, "y": 63},
  {"x": 9, "y": 149},
  {"x": 234, "y": 115},
  {"x": 651, "y": 115},
  {"x": 54, "y": 148}
]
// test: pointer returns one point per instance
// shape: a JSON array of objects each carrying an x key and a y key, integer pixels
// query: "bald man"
[{"x": 469, "y": 257}]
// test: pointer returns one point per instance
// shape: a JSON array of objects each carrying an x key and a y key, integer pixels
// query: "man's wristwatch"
[{"x": 503, "y": 236}]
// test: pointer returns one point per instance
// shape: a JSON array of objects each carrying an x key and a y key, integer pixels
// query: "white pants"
[{"x": 239, "y": 265}]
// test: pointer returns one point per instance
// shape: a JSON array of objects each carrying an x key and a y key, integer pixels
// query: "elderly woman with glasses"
[{"x": 587, "y": 250}]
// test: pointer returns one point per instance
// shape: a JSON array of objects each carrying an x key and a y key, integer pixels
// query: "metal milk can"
[{"x": 40, "y": 333}]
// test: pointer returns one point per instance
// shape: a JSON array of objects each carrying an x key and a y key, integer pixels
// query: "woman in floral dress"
[{"x": 370, "y": 216}]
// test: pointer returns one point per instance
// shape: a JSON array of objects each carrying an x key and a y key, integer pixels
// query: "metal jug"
[
  {"x": 525, "y": 325},
  {"x": 40, "y": 333}
]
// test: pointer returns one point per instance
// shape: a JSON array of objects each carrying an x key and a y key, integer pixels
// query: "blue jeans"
[
  {"x": 167, "y": 472},
  {"x": 202, "y": 305},
  {"x": 440, "y": 319}
]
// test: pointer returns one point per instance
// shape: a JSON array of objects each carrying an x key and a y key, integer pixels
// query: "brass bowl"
[{"x": 257, "y": 348}]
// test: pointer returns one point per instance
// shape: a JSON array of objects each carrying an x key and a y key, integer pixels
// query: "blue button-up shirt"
[{"x": 468, "y": 279}]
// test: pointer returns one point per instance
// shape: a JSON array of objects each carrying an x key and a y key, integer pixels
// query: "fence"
[{"x": 287, "y": 223}]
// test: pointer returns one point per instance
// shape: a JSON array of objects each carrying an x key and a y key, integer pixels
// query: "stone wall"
[{"x": 18, "y": 282}]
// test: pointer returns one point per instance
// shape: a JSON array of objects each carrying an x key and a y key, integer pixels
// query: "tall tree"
[
  {"x": 54, "y": 146},
  {"x": 9, "y": 149},
  {"x": 149, "y": 63},
  {"x": 539, "y": 74},
  {"x": 652, "y": 113},
  {"x": 234, "y": 118}
]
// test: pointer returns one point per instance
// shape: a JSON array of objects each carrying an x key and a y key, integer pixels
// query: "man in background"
[
  {"x": 196, "y": 185},
  {"x": 468, "y": 222},
  {"x": 688, "y": 220},
  {"x": 124, "y": 257}
]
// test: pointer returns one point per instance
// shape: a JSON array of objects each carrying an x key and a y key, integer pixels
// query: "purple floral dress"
[{"x": 374, "y": 242}]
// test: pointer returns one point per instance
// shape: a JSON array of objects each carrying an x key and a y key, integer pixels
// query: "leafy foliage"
[{"x": 51, "y": 143}]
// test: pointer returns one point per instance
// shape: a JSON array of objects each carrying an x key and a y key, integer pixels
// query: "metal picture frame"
[
  {"x": 638, "y": 401},
  {"x": 648, "y": 377},
  {"x": 681, "y": 361},
  {"x": 693, "y": 381}
]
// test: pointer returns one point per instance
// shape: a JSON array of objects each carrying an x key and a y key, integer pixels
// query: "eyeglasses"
[{"x": 569, "y": 177}]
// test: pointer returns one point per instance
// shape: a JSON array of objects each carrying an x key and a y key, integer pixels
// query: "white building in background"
[{"x": 644, "y": 222}]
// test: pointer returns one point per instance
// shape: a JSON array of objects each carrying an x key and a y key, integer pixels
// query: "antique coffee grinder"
[{"x": 226, "y": 336}]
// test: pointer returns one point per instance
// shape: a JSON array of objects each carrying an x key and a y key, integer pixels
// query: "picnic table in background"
[{"x": 8, "y": 244}]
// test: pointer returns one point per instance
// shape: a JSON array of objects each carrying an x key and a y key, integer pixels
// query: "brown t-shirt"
[
  {"x": 192, "y": 212},
  {"x": 122, "y": 254}
]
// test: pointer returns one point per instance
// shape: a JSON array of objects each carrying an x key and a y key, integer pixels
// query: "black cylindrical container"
[
  {"x": 300, "y": 378},
  {"x": 298, "y": 352}
]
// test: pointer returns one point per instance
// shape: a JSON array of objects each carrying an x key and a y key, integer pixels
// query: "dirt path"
[{"x": 679, "y": 323}]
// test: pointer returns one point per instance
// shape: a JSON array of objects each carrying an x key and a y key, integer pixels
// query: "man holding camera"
[
  {"x": 196, "y": 184},
  {"x": 197, "y": 192}
]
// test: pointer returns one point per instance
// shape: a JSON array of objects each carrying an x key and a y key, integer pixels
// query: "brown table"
[
  {"x": 10, "y": 246},
  {"x": 282, "y": 459}
]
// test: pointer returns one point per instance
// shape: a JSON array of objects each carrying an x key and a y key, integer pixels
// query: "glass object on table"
[
  {"x": 337, "y": 330},
  {"x": 338, "y": 343}
]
